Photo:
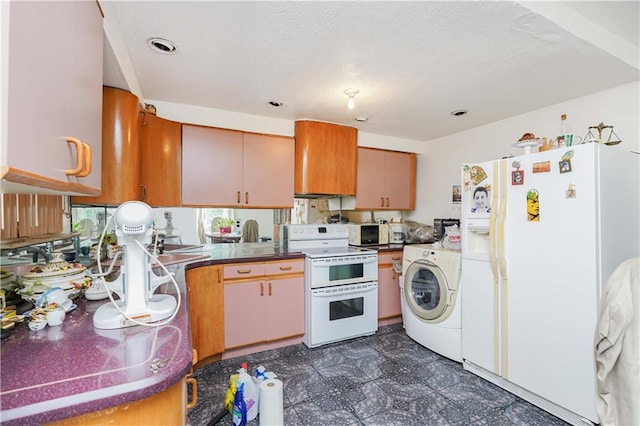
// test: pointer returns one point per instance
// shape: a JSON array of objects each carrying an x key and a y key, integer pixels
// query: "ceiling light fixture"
[
  {"x": 275, "y": 103},
  {"x": 361, "y": 119},
  {"x": 162, "y": 45},
  {"x": 351, "y": 93}
]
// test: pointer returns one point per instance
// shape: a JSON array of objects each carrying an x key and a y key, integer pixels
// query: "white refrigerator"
[{"x": 541, "y": 234}]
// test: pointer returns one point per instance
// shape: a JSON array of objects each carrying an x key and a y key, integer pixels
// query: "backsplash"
[{"x": 26, "y": 215}]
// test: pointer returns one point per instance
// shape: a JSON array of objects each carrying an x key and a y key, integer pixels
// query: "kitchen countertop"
[
  {"x": 65, "y": 371},
  {"x": 72, "y": 369}
]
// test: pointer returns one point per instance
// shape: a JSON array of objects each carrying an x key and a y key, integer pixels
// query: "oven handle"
[
  {"x": 322, "y": 264},
  {"x": 323, "y": 292}
]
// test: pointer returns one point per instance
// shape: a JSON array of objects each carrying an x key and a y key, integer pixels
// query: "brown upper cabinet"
[
  {"x": 141, "y": 154},
  {"x": 386, "y": 181},
  {"x": 230, "y": 168},
  {"x": 161, "y": 161},
  {"x": 120, "y": 149},
  {"x": 326, "y": 158},
  {"x": 52, "y": 97}
]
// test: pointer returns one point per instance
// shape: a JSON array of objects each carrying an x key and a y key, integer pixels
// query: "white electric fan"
[{"x": 137, "y": 282}]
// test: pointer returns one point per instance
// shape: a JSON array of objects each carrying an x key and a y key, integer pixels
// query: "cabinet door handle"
[
  {"x": 87, "y": 161},
  {"x": 219, "y": 276},
  {"x": 393, "y": 275},
  {"x": 285, "y": 268},
  {"x": 143, "y": 192},
  {"x": 246, "y": 198},
  {"x": 396, "y": 258},
  {"x": 387, "y": 201},
  {"x": 261, "y": 289},
  {"x": 194, "y": 392},
  {"x": 243, "y": 271},
  {"x": 142, "y": 118},
  {"x": 381, "y": 201},
  {"x": 269, "y": 289},
  {"x": 238, "y": 197},
  {"x": 80, "y": 158}
]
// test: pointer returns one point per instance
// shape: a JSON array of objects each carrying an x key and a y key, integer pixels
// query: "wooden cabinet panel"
[
  {"x": 398, "y": 185},
  {"x": 386, "y": 181},
  {"x": 285, "y": 267},
  {"x": 228, "y": 168},
  {"x": 326, "y": 158},
  {"x": 120, "y": 149},
  {"x": 244, "y": 270},
  {"x": 388, "y": 286},
  {"x": 161, "y": 161},
  {"x": 244, "y": 319},
  {"x": 51, "y": 93},
  {"x": 205, "y": 293},
  {"x": 267, "y": 171},
  {"x": 284, "y": 308},
  {"x": 371, "y": 178}
]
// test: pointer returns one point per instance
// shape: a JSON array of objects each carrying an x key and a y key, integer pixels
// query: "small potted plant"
[{"x": 225, "y": 225}]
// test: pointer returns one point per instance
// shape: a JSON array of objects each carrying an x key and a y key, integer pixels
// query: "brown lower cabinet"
[
  {"x": 168, "y": 407},
  {"x": 206, "y": 309},
  {"x": 388, "y": 286}
]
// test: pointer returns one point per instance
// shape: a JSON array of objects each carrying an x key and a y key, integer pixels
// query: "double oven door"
[{"x": 341, "y": 298}]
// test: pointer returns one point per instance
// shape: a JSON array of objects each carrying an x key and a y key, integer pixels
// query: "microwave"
[{"x": 363, "y": 234}]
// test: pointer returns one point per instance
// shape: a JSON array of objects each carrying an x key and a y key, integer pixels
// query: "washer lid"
[{"x": 426, "y": 290}]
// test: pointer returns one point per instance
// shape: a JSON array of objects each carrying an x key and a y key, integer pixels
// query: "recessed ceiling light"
[
  {"x": 459, "y": 112},
  {"x": 275, "y": 103},
  {"x": 361, "y": 119},
  {"x": 163, "y": 46}
]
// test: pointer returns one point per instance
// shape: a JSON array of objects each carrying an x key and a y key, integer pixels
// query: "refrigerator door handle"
[{"x": 504, "y": 317}]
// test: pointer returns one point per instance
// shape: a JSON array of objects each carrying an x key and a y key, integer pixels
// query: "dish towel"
[
  {"x": 617, "y": 351},
  {"x": 250, "y": 233}
]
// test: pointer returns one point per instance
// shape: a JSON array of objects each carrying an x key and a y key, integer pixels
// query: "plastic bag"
[
  {"x": 451, "y": 238},
  {"x": 418, "y": 232}
]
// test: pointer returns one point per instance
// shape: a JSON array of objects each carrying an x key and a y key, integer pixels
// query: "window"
[{"x": 207, "y": 216}]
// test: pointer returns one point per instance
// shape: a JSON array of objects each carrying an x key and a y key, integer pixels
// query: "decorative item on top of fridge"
[
  {"x": 528, "y": 141},
  {"x": 613, "y": 138}
]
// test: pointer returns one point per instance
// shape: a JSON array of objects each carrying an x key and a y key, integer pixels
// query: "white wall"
[
  {"x": 439, "y": 160},
  {"x": 438, "y": 167}
]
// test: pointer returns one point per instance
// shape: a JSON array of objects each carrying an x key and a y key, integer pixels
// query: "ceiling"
[{"x": 412, "y": 62}]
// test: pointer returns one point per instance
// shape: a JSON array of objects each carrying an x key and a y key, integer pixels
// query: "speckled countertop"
[{"x": 72, "y": 369}]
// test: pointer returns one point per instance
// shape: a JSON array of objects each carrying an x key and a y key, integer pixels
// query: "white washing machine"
[{"x": 430, "y": 298}]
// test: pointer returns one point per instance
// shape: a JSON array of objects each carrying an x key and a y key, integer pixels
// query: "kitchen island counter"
[{"x": 73, "y": 369}]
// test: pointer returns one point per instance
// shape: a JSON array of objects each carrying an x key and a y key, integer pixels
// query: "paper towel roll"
[{"x": 271, "y": 400}]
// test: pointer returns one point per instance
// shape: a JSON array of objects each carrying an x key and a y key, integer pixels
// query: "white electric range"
[{"x": 341, "y": 283}]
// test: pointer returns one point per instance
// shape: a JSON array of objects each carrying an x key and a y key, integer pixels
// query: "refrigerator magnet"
[
  {"x": 565, "y": 166},
  {"x": 477, "y": 174},
  {"x": 568, "y": 155},
  {"x": 571, "y": 191},
  {"x": 517, "y": 177},
  {"x": 533, "y": 206},
  {"x": 542, "y": 167}
]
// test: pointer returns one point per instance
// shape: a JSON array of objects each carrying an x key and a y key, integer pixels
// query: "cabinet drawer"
[
  {"x": 389, "y": 258},
  {"x": 285, "y": 267},
  {"x": 243, "y": 270}
]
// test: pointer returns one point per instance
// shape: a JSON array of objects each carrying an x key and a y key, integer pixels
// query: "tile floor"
[{"x": 384, "y": 379}]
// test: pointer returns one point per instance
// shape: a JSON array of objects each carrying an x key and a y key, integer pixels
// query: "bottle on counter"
[{"x": 239, "y": 414}]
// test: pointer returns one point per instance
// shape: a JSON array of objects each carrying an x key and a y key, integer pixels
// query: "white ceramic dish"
[{"x": 527, "y": 144}]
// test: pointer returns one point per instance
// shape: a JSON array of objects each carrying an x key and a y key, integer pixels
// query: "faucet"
[{"x": 39, "y": 251}]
